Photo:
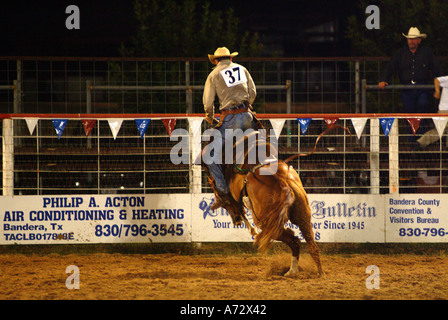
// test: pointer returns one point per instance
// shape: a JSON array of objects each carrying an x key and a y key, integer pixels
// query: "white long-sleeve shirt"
[
  {"x": 233, "y": 85},
  {"x": 443, "y": 104}
]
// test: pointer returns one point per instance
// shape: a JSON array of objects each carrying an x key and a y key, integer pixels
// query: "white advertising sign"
[
  {"x": 335, "y": 218},
  {"x": 347, "y": 218},
  {"x": 188, "y": 218},
  {"x": 215, "y": 225},
  {"x": 417, "y": 218}
]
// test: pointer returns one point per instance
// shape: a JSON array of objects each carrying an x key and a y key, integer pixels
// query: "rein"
[
  {"x": 317, "y": 140},
  {"x": 239, "y": 169},
  {"x": 244, "y": 171}
]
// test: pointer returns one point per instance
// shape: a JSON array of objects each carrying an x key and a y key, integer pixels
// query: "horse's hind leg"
[
  {"x": 293, "y": 242},
  {"x": 300, "y": 215},
  {"x": 313, "y": 249}
]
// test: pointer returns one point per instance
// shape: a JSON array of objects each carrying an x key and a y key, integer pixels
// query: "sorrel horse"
[{"x": 274, "y": 198}]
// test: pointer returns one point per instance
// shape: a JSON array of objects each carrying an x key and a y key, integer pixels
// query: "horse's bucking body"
[{"x": 275, "y": 198}]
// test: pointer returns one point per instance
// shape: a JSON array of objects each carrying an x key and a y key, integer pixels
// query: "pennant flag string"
[
  {"x": 277, "y": 125},
  {"x": 142, "y": 125},
  {"x": 59, "y": 126},
  {"x": 304, "y": 123},
  {"x": 386, "y": 124}
]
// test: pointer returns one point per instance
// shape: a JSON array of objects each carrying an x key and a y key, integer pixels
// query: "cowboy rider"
[
  {"x": 414, "y": 64},
  {"x": 236, "y": 91}
]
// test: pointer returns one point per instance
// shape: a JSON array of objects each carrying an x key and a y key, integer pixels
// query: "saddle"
[{"x": 235, "y": 168}]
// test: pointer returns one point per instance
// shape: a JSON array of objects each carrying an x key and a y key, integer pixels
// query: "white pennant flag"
[
  {"x": 440, "y": 124},
  {"x": 359, "y": 124},
  {"x": 115, "y": 125},
  {"x": 31, "y": 123},
  {"x": 277, "y": 125}
]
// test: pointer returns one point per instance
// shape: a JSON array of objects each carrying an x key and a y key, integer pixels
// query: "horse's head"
[{"x": 253, "y": 149}]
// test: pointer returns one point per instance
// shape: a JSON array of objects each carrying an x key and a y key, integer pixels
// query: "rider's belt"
[{"x": 234, "y": 110}]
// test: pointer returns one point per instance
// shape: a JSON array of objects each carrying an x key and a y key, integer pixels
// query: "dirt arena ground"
[{"x": 244, "y": 276}]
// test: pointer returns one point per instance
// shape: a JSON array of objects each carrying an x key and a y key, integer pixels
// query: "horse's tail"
[{"x": 273, "y": 225}]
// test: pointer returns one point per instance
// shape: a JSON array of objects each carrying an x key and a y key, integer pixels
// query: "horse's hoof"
[{"x": 291, "y": 274}]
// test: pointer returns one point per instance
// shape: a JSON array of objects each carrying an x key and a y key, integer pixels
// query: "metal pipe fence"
[
  {"x": 59, "y": 84},
  {"x": 128, "y": 87},
  {"x": 41, "y": 162}
]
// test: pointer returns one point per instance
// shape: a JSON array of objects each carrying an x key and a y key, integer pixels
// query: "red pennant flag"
[
  {"x": 169, "y": 125},
  {"x": 330, "y": 122},
  {"x": 88, "y": 126},
  {"x": 414, "y": 123}
]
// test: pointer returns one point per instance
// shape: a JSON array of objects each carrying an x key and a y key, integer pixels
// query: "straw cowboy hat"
[
  {"x": 414, "y": 33},
  {"x": 221, "y": 52}
]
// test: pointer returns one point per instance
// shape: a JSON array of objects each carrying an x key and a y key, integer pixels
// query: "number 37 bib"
[{"x": 234, "y": 76}]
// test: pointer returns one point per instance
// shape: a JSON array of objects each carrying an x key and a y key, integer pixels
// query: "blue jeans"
[
  {"x": 241, "y": 121},
  {"x": 416, "y": 101}
]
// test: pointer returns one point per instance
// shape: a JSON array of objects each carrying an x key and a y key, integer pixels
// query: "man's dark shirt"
[{"x": 420, "y": 67}]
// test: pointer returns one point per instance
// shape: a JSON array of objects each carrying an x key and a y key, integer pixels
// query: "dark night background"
[{"x": 287, "y": 28}]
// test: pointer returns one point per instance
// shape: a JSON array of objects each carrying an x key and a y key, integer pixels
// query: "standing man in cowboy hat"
[
  {"x": 236, "y": 91},
  {"x": 415, "y": 64}
]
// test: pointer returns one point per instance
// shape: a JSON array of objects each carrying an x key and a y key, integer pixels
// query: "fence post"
[
  {"x": 188, "y": 91},
  {"x": 88, "y": 96},
  {"x": 8, "y": 157},
  {"x": 18, "y": 89},
  {"x": 89, "y": 107},
  {"x": 374, "y": 156},
  {"x": 363, "y": 95},
  {"x": 195, "y": 151},
  {"x": 288, "y": 111},
  {"x": 357, "y": 89}
]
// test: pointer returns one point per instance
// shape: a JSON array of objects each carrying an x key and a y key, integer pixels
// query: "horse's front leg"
[
  {"x": 248, "y": 205},
  {"x": 252, "y": 230}
]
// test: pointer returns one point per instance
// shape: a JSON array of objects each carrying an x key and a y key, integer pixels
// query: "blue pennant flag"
[
  {"x": 304, "y": 123},
  {"x": 386, "y": 124},
  {"x": 142, "y": 125},
  {"x": 59, "y": 126}
]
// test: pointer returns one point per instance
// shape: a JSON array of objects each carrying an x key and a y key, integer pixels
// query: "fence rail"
[
  {"x": 366, "y": 87},
  {"x": 172, "y": 85}
]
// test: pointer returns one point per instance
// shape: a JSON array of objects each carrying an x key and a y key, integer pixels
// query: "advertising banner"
[
  {"x": 417, "y": 218},
  {"x": 215, "y": 225},
  {"x": 347, "y": 218},
  {"x": 95, "y": 219},
  {"x": 165, "y": 218},
  {"x": 335, "y": 218}
]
